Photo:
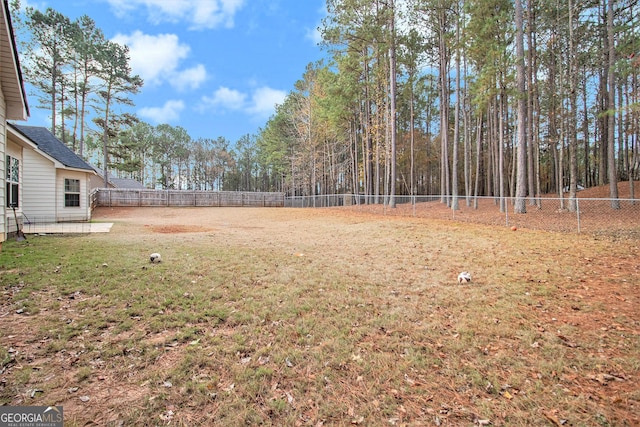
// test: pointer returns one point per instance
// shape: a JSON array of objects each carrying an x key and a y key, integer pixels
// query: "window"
[
  {"x": 13, "y": 182},
  {"x": 71, "y": 193}
]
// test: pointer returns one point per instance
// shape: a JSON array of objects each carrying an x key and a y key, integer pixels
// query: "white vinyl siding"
[
  {"x": 38, "y": 187},
  {"x": 73, "y": 213},
  {"x": 3, "y": 172},
  {"x": 42, "y": 189}
]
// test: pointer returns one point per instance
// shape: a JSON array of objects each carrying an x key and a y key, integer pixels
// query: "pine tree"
[
  {"x": 48, "y": 55},
  {"x": 118, "y": 82}
]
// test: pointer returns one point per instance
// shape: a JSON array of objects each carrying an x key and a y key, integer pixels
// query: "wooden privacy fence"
[{"x": 115, "y": 197}]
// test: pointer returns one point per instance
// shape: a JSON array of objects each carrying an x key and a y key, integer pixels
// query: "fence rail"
[
  {"x": 45, "y": 224},
  {"x": 114, "y": 197},
  {"x": 581, "y": 215},
  {"x": 588, "y": 215}
]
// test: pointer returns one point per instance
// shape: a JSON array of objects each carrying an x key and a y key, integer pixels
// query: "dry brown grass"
[
  {"x": 321, "y": 317},
  {"x": 594, "y": 215}
]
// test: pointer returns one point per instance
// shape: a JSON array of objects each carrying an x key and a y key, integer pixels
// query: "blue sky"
[{"x": 214, "y": 67}]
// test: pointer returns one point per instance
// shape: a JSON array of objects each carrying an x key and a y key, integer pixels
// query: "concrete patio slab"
[{"x": 67, "y": 227}]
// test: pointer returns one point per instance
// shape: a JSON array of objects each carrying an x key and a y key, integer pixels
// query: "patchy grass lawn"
[{"x": 320, "y": 317}]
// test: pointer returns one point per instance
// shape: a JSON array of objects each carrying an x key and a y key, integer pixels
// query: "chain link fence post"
[
  {"x": 587, "y": 215},
  {"x": 413, "y": 200},
  {"x": 578, "y": 214},
  {"x": 506, "y": 213}
]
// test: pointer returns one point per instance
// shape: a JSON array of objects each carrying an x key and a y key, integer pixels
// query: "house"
[
  {"x": 126, "y": 183},
  {"x": 13, "y": 106},
  {"x": 55, "y": 181}
]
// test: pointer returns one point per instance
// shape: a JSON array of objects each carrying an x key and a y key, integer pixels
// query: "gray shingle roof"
[
  {"x": 125, "y": 183},
  {"x": 52, "y": 146}
]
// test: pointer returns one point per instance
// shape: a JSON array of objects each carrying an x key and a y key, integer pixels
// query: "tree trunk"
[
  {"x": 366, "y": 126},
  {"x": 588, "y": 177},
  {"x": 456, "y": 128},
  {"x": 467, "y": 141},
  {"x": 412, "y": 138},
  {"x": 105, "y": 141},
  {"x": 392, "y": 112},
  {"x": 521, "y": 181},
  {"x": 572, "y": 117},
  {"x": 611, "y": 105},
  {"x": 501, "y": 170},
  {"x": 532, "y": 129},
  {"x": 478, "y": 160},
  {"x": 444, "y": 108}
]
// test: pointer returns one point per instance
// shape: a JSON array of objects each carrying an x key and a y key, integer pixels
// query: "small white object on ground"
[{"x": 464, "y": 277}]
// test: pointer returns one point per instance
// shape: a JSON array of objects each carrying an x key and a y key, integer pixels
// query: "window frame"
[
  {"x": 12, "y": 181},
  {"x": 72, "y": 195}
]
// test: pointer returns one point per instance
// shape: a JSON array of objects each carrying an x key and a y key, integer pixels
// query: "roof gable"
[
  {"x": 10, "y": 72},
  {"x": 52, "y": 146},
  {"x": 125, "y": 183}
]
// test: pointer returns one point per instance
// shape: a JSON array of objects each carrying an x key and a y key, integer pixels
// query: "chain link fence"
[
  {"x": 50, "y": 225},
  {"x": 580, "y": 215}
]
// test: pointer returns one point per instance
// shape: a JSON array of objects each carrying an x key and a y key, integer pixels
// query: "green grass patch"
[{"x": 321, "y": 320}]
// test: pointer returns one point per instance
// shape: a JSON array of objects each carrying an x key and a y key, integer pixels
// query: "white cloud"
[
  {"x": 156, "y": 58},
  {"x": 314, "y": 35},
  {"x": 38, "y": 5},
  {"x": 190, "y": 78},
  {"x": 169, "y": 112},
  {"x": 265, "y": 99},
  {"x": 200, "y": 14},
  {"x": 260, "y": 104},
  {"x": 225, "y": 98}
]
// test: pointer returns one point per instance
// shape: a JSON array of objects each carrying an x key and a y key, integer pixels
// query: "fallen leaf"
[
  {"x": 167, "y": 416},
  {"x": 409, "y": 380},
  {"x": 290, "y": 398},
  {"x": 566, "y": 341},
  {"x": 551, "y": 416}
]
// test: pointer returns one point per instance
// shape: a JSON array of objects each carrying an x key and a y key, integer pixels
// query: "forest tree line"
[{"x": 460, "y": 98}]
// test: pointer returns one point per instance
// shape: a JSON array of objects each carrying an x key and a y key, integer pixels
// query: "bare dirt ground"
[
  {"x": 608, "y": 284},
  {"x": 293, "y": 229},
  {"x": 593, "y": 216},
  {"x": 610, "y": 281}
]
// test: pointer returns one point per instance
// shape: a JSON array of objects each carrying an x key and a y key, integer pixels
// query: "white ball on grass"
[
  {"x": 155, "y": 258},
  {"x": 464, "y": 277}
]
